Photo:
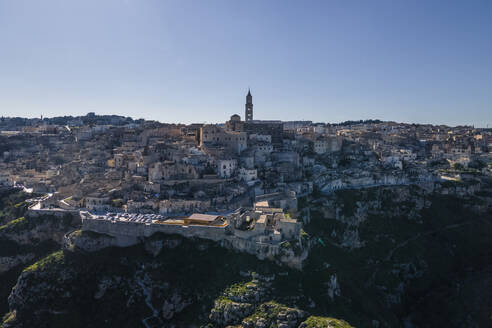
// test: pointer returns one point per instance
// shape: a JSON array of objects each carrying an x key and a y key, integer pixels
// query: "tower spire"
[{"x": 248, "y": 112}]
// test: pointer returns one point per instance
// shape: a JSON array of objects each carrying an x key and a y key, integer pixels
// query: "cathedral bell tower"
[{"x": 248, "y": 114}]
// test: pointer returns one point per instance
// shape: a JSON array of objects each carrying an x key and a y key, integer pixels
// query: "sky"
[{"x": 193, "y": 61}]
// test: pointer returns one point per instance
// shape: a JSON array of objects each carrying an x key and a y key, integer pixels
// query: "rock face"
[
  {"x": 155, "y": 244},
  {"x": 375, "y": 256},
  {"x": 87, "y": 241},
  {"x": 247, "y": 315},
  {"x": 275, "y": 253},
  {"x": 144, "y": 289},
  {"x": 25, "y": 240},
  {"x": 273, "y": 314},
  {"x": 244, "y": 305},
  {"x": 26, "y": 295},
  {"x": 9, "y": 262},
  {"x": 173, "y": 305},
  {"x": 31, "y": 230},
  {"x": 240, "y": 300},
  {"x": 227, "y": 312},
  {"x": 333, "y": 287},
  {"x": 60, "y": 282}
]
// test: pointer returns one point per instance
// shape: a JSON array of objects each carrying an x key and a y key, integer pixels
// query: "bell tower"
[{"x": 248, "y": 114}]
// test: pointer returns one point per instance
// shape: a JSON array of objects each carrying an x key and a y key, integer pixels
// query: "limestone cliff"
[
  {"x": 164, "y": 288},
  {"x": 379, "y": 257},
  {"x": 25, "y": 240}
]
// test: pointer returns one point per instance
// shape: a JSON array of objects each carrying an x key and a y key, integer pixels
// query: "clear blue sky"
[{"x": 192, "y": 61}]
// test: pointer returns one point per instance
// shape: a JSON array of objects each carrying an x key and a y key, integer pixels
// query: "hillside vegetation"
[{"x": 380, "y": 257}]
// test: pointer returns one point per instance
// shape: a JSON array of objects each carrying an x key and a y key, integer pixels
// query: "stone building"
[
  {"x": 247, "y": 174},
  {"x": 226, "y": 167},
  {"x": 324, "y": 145},
  {"x": 275, "y": 129},
  {"x": 215, "y": 135},
  {"x": 169, "y": 170},
  {"x": 235, "y": 124},
  {"x": 174, "y": 206},
  {"x": 97, "y": 202}
]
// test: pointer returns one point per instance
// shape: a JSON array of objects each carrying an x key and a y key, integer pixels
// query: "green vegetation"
[
  {"x": 286, "y": 245},
  {"x": 268, "y": 311},
  {"x": 8, "y": 318},
  {"x": 28, "y": 223},
  {"x": 12, "y": 204},
  {"x": 117, "y": 202},
  {"x": 199, "y": 271},
  {"x": 322, "y": 322},
  {"x": 304, "y": 235},
  {"x": 14, "y": 225},
  {"x": 90, "y": 234},
  {"x": 57, "y": 258},
  {"x": 29, "y": 250},
  {"x": 239, "y": 289},
  {"x": 422, "y": 250},
  {"x": 19, "y": 204},
  {"x": 222, "y": 300},
  {"x": 407, "y": 253}
]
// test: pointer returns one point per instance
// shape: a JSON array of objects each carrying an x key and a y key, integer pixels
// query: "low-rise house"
[
  {"x": 283, "y": 200},
  {"x": 174, "y": 206},
  {"x": 97, "y": 202},
  {"x": 226, "y": 167},
  {"x": 247, "y": 175},
  {"x": 327, "y": 144}
]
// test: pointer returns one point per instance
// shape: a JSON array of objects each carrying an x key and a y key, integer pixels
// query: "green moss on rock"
[
  {"x": 15, "y": 225},
  {"x": 56, "y": 258},
  {"x": 323, "y": 322}
]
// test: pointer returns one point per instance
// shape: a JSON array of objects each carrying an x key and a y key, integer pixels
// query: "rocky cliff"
[
  {"x": 183, "y": 284},
  {"x": 25, "y": 239},
  {"x": 378, "y": 257}
]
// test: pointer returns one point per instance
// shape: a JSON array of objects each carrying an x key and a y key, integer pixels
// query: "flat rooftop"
[
  {"x": 203, "y": 217},
  {"x": 156, "y": 218}
]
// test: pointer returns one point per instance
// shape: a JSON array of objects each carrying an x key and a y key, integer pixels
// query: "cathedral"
[{"x": 251, "y": 126}]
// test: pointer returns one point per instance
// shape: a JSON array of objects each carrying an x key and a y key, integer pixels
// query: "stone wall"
[
  {"x": 57, "y": 212},
  {"x": 131, "y": 233},
  {"x": 141, "y": 230}
]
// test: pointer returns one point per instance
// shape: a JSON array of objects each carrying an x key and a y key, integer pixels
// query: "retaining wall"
[
  {"x": 131, "y": 233},
  {"x": 140, "y": 230}
]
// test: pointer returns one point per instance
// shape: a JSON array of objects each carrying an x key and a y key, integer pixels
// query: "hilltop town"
[
  {"x": 355, "y": 220},
  {"x": 237, "y": 182}
]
